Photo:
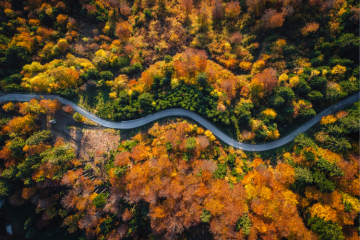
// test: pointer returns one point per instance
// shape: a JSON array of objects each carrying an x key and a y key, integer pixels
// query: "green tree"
[
  {"x": 92, "y": 73},
  {"x": 285, "y": 92},
  {"x": 145, "y": 100},
  {"x": 326, "y": 230},
  {"x": 122, "y": 62},
  {"x": 220, "y": 171},
  {"x": 106, "y": 225},
  {"x": 100, "y": 200},
  {"x": 58, "y": 155},
  {"x": 26, "y": 168},
  {"x": 332, "y": 95},
  {"x": 231, "y": 160},
  {"x": 15, "y": 78},
  {"x": 330, "y": 168},
  {"x": 124, "y": 97},
  {"x": 168, "y": 58},
  {"x": 348, "y": 41},
  {"x": 334, "y": 130},
  {"x": 119, "y": 171},
  {"x": 349, "y": 87},
  {"x": 14, "y": 56},
  {"x": 303, "y": 175},
  {"x": 303, "y": 88},
  {"x": 4, "y": 190},
  {"x": 9, "y": 172},
  {"x": 190, "y": 144},
  {"x": 318, "y": 82},
  {"x": 350, "y": 124},
  {"x": 38, "y": 137},
  {"x": 205, "y": 216},
  {"x": 16, "y": 146},
  {"x": 244, "y": 223},
  {"x": 325, "y": 185},
  {"x": 148, "y": 14},
  {"x": 306, "y": 114},
  {"x": 137, "y": 67},
  {"x": 106, "y": 75},
  {"x": 302, "y": 140},
  {"x": 243, "y": 113},
  {"x": 315, "y": 96},
  {"x": 277, "y": 101},
  {"x": 202, "y": 79},
  {"x": 13, "y": 87},
  {"x": 339, "y": 145}
]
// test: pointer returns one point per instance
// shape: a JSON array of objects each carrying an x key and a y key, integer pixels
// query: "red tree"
[
  {"x": 187, "y": 5},
  {"x": 125, "y": 9},
  {"x": 268, "y": 78},
  {"x": 256, "y": 6},
  {"x": 217, "y": 12},
  {"x": 229, "y": 85},
  {"x": 273, "y": 19}
]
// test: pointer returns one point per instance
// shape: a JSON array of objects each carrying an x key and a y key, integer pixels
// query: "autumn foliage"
[
  {"x": 253, "y": 68},
  {"x": 21, "y": 125},
  {"x": 233, "y": 9},
  {"x": 268, "y": 78},
  {"x": 273, "y": 19},
  {"x": 123, "y": 30},
  {"x": 187, "y": 5},
  {"x": 192, "y": 61},
  {"x": 185, "y": 177},
  {"x": 310, "y": 27}
]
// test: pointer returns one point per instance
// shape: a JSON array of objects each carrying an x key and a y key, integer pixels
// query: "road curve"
[{"x": 185, "y": 113}]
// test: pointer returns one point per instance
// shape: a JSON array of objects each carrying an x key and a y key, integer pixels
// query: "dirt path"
[{"x": 92, "y": 144}]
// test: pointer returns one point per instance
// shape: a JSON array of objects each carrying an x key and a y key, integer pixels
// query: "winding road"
[{"x": 185, "y": 113}]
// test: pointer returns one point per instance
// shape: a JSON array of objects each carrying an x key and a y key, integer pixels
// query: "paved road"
[{"x": 185, "y": 113}]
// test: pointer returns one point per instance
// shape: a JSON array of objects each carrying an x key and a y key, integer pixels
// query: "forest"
[
  {"x": 177, "y": 181},
  {"x": 256, "y": 69}
]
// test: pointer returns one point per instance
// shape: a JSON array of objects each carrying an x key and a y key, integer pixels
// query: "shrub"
[
  {"x": 13, "y": 88},
  {"x": 78, "y": 117}
]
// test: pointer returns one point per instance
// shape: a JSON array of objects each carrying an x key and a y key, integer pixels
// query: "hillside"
[{"x": 255, "y": 69}]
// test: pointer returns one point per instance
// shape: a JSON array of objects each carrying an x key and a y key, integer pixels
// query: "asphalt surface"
[{"x": 185, "y": 113}]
